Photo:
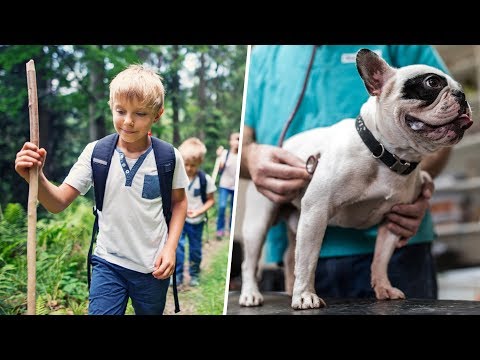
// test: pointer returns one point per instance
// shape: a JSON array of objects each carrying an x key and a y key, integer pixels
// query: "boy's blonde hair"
[
  {"x": 140, "y": 83},
  {"x": 193, "y": 149}
]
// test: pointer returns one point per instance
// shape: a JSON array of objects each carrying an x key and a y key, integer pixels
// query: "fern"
[
  {"x": 41, "y": 307},
  {"x": 78, "y": 308},
  {"x": 62, "y": 246}
]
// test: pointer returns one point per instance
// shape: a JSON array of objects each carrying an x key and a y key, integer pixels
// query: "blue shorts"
[{"x": 112, "y": 285}]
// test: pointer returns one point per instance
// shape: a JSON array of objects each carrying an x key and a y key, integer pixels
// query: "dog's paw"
[
  {"x": 383, "y": 292},
  {"x": 253, "y": 298},
  {"x": 307, "y": 300}
]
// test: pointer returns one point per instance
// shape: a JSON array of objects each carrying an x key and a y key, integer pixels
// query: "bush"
[{"x": 62, "y": 245}]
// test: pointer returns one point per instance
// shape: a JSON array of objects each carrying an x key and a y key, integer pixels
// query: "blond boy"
[
  {"x": 135, "y": 251},
  {"x": 193, "y": 152}
]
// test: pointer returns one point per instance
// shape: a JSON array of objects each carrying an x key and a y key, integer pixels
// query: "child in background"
[
  {"x": 228, "y": 177},
  {"x": 135, "y": 252},
  {"x": 193, "y": 152}
]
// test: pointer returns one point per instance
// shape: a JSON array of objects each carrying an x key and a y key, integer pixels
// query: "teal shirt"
[{"x": 334, "y": 91}]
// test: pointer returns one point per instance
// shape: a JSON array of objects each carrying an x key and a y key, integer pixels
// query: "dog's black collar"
[{"x": 394, "y": 163}]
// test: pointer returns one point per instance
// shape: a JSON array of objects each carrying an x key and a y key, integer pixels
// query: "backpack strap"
[
  {"x": 220, "y": 172},
  {"x": 100, "y": 162},
  {"x": 203, "y": 193},
  {"x": 165, "y": 159},
  {"x": 203, "y": 185}
]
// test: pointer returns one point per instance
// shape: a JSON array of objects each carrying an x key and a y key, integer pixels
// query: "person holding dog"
[{"x": 326, "y": 79}]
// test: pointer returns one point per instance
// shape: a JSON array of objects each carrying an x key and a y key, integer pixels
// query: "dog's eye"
[{"x": 433, "y": 82}]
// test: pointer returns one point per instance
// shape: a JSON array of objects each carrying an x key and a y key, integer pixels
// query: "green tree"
[{"x": 72, "y": 81}]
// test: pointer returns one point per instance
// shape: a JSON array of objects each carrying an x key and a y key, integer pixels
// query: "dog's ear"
[{"x": 373, "y": 70}]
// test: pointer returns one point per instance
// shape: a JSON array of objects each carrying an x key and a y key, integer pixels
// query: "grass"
[
  {"x": 208, "y": 297},
  {"x": 212, "y": 290}
]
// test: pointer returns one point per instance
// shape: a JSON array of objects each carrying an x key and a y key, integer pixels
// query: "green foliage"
[
  {"x": 41, "y": 306},
  {"x": 14, "y": 215},
  {"x": 211, "y": 297},
  {"x": 13, "y": 230},
  {"x": 72, "y": 82},
  {"x": 77, "y": 308},
  {"x": 62, "y": 246}
]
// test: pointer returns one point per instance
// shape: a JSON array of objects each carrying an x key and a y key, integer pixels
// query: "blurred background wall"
[{"x": 456, "y": 202}]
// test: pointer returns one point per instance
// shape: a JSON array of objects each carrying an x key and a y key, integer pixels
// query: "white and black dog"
[{"x": 365, "y": 166}]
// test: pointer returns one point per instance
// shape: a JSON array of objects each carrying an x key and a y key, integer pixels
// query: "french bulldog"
[{"x": 364, "y": 167}]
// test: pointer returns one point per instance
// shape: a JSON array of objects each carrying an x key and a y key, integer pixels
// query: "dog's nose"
[{"x": 460, "y": 95}]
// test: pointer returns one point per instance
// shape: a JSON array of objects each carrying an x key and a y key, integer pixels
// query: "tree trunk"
[
  {"x": 174, "y": 96},
  {"x": 95, "y": 88},
  {"x": 45, "y": 116},
  {"x": 202, "y": 98}
]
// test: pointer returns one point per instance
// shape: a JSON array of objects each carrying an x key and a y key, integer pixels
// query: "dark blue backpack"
[
  {"x": 203, "y": 192},
  {"x": 203, "y": 185},
  {"x": 101, "y": 158}
]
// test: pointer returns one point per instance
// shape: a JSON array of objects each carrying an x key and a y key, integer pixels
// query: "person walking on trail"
[
  {"x": 200, "y": 198},
  {"x": 228, "y": 176},
  {"x": 134, "y": 255}
]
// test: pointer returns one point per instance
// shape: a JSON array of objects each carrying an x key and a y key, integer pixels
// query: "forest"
[{"x": 204, "y": 88}]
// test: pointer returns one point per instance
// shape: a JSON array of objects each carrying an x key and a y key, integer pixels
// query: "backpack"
[
  {"x": 203, "y": 191},
  {"x": 101, "y": 158},
  {"x": 203, "y": 185}
]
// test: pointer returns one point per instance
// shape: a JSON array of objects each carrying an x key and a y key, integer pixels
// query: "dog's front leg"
[
  {"x": 384, "y": 247},
  {"x": 311, "y": 229}
]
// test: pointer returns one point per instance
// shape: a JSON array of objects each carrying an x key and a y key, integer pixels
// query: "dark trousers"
[
  {"x": 194, "y": 234},
  {"x": 411, "y": 269},
  {"x": 112, "y": 285}
]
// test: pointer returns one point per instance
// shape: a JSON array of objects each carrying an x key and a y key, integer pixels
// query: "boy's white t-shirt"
[
  {"x": 132, "y": 227},
  {"x": 195, "y": 199}
]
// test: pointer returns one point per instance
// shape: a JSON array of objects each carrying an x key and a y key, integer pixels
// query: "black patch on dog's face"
[{"x": 425, "y": 87}]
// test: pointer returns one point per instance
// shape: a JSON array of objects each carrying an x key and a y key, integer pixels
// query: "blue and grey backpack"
[{"x": 101, "y": 158}]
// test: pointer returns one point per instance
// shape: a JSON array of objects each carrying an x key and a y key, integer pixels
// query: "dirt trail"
[{"x": 187, "y": 303}]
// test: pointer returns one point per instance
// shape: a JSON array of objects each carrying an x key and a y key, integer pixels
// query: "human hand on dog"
[
  {"x": 277, "y": 173},
  {"x": 405, "y": 219}
]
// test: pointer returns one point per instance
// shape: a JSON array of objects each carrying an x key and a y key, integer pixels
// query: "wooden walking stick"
[{"x": 32, "y": 191}]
